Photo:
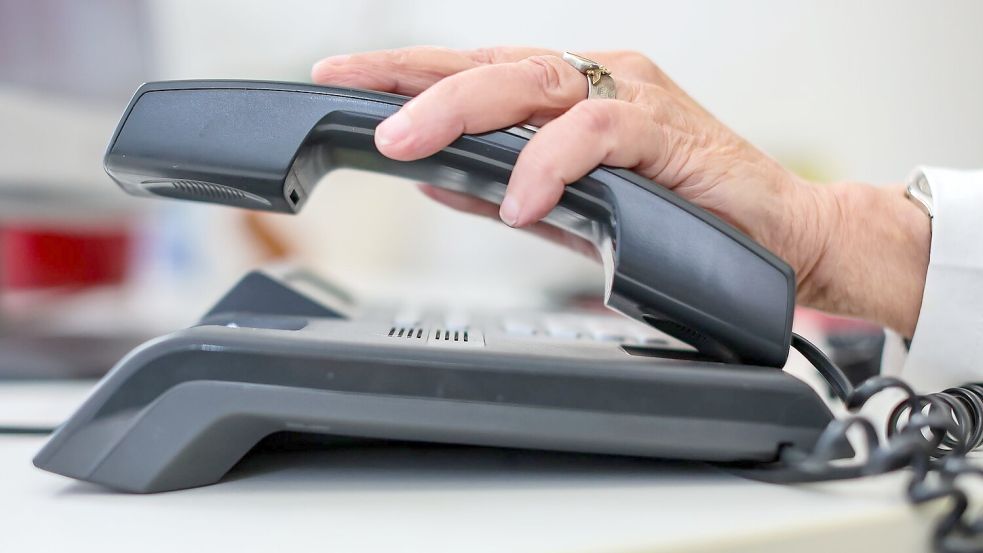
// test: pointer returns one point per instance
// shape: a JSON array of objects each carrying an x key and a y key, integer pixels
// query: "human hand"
[{"x": 653, "y": 128}]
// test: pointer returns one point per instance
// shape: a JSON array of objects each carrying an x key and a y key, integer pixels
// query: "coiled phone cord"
[{"x": 931, "y": 433}]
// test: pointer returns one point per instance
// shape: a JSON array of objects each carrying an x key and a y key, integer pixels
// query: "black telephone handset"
[{"x": 265, "y": 145}]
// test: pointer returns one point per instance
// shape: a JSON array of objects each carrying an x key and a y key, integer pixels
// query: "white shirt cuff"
[{"x": 947, "y": 348}]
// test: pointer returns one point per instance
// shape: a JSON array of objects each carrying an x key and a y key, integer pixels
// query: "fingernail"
[
  {"x": 394, "y": 129},
  {"x": 509, "y": 211},
  {"x": 333, "y": 60}
]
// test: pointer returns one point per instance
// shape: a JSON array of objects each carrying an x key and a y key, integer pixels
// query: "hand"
[{"x": 652, "y": 128}]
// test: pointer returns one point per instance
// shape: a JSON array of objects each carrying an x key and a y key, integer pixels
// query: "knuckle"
[
  {"x": 397, "y": 57},
  {"x": 486, "y": 55},
  {"x": 635, "y": 58},
  {"x": 656, "y": 111},
  {"x": 640, "y": 64},
  {"x": 546, "y": 71},
  {"x": 652, "y": 95},
  {"x": 594, "y": 115},
  {"x": 632, "y": 92}
]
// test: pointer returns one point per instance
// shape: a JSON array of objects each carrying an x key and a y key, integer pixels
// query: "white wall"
[{"x": 874, "y": 86}]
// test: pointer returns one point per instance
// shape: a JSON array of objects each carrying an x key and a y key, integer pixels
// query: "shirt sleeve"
[{"x": 947, "y": 348}]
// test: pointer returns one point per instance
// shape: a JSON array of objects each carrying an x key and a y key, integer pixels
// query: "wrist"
[{"x": 871, "y": 255}]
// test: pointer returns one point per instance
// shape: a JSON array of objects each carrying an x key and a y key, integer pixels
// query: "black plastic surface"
[{"x": 266, "y": 145}]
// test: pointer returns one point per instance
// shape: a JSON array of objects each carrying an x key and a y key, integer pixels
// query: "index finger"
[
  {"x": 535, "y": 89},
  {"x": 410, "y": 71},
  {"x": 407, "y": 71}
]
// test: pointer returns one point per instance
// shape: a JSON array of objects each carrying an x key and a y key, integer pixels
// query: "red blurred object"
[{"x": 39, "y": 257}]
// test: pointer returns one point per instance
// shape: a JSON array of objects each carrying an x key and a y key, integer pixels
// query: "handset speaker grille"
[{"x": 189, "y": 189}]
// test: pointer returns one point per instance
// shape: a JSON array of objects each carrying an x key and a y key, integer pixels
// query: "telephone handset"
[{"x": 265, "y": 146}]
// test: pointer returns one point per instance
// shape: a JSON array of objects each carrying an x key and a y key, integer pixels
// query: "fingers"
[
  {"x": 412, "y": 70},
  {"x": 507, "y": 54},
  {"x": 482, "y": 90},
  {"x": 592, "y": 133},
  {"x": 624, "y": 64},
  {"x": 479, "y": 100},
  {"x": 406, "y": 71},
  {"x": 409, "y": 71}
]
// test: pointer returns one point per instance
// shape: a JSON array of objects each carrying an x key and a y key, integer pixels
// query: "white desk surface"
[{"x": 434, "y": 499}]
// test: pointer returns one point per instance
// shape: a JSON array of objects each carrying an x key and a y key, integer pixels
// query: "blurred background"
[{"x": 834, "y": 89}]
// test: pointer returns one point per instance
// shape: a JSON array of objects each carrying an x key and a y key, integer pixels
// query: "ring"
[{"x": 599, "y": 81}]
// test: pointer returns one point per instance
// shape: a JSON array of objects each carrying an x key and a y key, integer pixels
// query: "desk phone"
[{"x": 686, "y": 366}]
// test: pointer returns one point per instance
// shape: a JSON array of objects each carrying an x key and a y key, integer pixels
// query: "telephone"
[{"x": 693, "y": 370}]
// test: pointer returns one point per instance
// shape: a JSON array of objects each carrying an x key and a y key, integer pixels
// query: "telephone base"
[{"x": 181, "y": 410}]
